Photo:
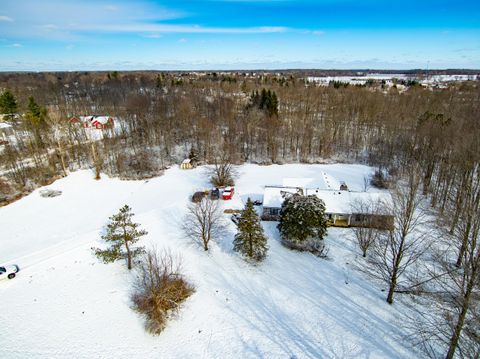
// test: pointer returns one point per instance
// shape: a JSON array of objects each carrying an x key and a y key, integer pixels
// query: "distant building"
[{"x": 94, "y": 121}]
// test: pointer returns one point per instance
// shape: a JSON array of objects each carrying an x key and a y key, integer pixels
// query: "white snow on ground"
[
  {"x": 64, "y": 303},
  {"x": 362, "y": 79}
]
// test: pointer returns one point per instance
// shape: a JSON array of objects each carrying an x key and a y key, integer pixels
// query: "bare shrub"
[
  {"x": 141, "y": 165},
  {"x": 366, "y": 233},
  {"x": 160, "y": 289},
  {"x": 223, "y": 173}
]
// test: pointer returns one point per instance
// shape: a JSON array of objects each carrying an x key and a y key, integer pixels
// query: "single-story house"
[
  {"x": 94, "y": 121},
  {"x": 340, "y": 206},
  {"x": 273, "y": 198}
]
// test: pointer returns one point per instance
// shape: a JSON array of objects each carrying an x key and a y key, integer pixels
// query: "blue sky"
[{"x": 238, "y": 34}]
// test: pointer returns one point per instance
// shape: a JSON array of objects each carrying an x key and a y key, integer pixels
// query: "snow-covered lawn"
[{"x": 66, "y": 304}]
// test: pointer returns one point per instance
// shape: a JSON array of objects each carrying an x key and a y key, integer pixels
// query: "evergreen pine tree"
[
  {"x": 35, "y": 114},
  {"x": 8, "y": 103},
  {"x": 193, "y": 156},
  {"x": 36, "y": 120},
  {"x": 121, "y": 232},
  {"x": 303, "y": 224},
  {"x": 250, "y": 239}
]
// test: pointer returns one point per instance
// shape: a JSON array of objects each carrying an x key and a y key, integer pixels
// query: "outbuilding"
[{"x": 187, "y": 164}]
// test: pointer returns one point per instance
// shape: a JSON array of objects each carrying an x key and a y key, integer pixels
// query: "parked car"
[
  {"x": 8, "y": 271},
  {"x": 215, "y": 193},
  {"x": 198, "y": 196},
  {"x": 228, "y": 193}
]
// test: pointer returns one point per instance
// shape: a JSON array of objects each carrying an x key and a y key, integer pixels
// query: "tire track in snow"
[{"x": 63, "y": 247}]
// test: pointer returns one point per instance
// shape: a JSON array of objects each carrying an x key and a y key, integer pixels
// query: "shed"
[{"x": 187, "y": 164}]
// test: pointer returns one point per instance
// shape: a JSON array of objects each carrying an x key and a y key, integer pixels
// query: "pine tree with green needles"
[
  {"x": 8, "y": 103},
  {"x": 35, "y": 114},
  {"x": 122, "y": 233},
  {"x": 250, "y": 239},
  {"x": 303, "y": 223},
  {"x": 193, "y": 155}
]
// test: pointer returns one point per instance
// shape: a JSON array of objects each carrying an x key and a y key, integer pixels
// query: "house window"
[{"x": 274, "y": 211}]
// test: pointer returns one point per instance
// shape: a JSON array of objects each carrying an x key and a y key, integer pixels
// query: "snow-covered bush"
[
  {"x": 303, "y": 224},
  {"x": 160, "y": 289},
  {"x": 380, "y": 179}
]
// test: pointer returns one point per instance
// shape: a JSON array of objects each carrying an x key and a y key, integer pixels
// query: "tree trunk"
[
  {"x": 461, "y": 319},
  {"x": 391, "y": 290},
  {"x": 250, "y": 251},
  {"x": 463, "y": 248},
  {"x": 129, "y": 256}
]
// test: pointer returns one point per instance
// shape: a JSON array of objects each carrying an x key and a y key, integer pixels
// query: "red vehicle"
[{"x": 228, "y": 193}]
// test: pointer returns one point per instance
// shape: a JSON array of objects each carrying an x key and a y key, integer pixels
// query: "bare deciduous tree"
[
  {"x": 203, "y": 221},
  {"x": 223, "y": 172},
  {"x": 467, "y": 278},
  {"x": 366, "y": 234},
  {"x": 401, "y": 247}
]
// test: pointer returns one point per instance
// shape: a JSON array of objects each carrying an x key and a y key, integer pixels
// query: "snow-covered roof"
[
  {"x": 302, "y": 182},
  {"x": 5, "y": 125},
  {"x": 186, "y": 161},
  {"x": 323, "y": 181},
  {"x": 343, "y": 201},
  {"x": 273, "y": 196},
  {"x": 100, "y": 119},
  {"x": 335, "y": 201}
]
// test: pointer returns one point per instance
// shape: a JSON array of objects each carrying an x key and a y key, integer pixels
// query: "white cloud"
[
  {"x": 50, "y": 27},
  {"x": 30, "y": 18},
  {"x": 75, "y": 20},
  {"x": 163, "y": 28},
  {"x": 16, "y": 45},
  {"x": 6, "y": 18},
  {"x": 182, "y": 40},
  {"x": 152, "y": 36},
  {"x": 111, "y": 8}
]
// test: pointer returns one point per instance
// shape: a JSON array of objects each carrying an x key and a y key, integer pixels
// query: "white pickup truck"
[{"x": 8, "y": 271}]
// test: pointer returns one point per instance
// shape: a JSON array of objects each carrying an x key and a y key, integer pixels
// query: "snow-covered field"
[
  {"x": 362, "y": 79},
  {"x": 66, "y": 304}
]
